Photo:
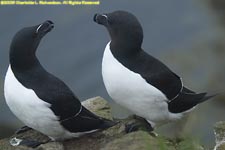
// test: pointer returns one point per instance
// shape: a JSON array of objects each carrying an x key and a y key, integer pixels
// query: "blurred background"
[{"x": 189, "y": 36}]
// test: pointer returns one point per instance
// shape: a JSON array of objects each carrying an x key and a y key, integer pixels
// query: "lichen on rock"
[{"x": 219, "y": 130}]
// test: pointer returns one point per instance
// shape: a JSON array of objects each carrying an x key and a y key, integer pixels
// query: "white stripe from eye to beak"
[
  {"x": 105, "y": 16},
  {"x": 38, "y": 28}
]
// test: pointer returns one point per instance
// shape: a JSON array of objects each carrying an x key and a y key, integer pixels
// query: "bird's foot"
[
  {"x": 25, "y": 142},
  {"x": 144, "y": 123},
  {"x": 22, "y": 130},
  {"x": 138, "y": 124},
  {"x": 132, "y": 127}
]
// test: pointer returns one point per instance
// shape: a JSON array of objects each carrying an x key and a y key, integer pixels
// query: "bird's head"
[
  {"x": 26, "y": 41},
  {"x": 122, "y": 26}
]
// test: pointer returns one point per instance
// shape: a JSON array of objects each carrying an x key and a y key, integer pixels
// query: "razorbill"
[
  {"x": 39, "y": 99},
  {"x": 137, "y": 80}
]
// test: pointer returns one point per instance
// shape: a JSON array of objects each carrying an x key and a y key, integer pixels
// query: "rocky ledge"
[
  {"x": 219, "y": 130},
  {"x": 114, "y": 138}
]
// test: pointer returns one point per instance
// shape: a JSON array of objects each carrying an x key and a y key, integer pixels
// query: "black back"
[
  {"x": 49, "y": 89},
  {"x": 152, "y": 70}
]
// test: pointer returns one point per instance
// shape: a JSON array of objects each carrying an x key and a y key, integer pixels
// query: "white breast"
[
  {"x": 31, "y": 110},
  {"x": 130, "y": 90}
]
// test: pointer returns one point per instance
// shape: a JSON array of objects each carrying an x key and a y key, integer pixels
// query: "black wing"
[
  {"x": 51, "y": 90},
  {"x": 86, "y": 121},
  {"x": 72, "y": 115},
  {"x": 63, "y": 102},
  {"x": 154, "y": 72}
]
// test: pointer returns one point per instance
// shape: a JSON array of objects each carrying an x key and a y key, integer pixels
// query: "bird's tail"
[
  {"x": 186, "y": 100},
  {"x": 206, "y": 97},
  {"x": 101, "y": 123},
  {"x": 107, "y": 123}
]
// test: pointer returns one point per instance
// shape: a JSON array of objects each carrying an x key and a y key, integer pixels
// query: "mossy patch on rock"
[
  {"x": 219, "y": 130},
  {"x": 139, "y": 140}
]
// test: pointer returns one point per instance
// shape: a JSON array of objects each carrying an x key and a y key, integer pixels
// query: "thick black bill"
[
  {"x": 101, "y": 19},
  {"x": 45, "y": 27}
]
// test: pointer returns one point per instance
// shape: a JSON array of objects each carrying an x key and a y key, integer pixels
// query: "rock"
[
  {"x": 51, "y": 146},
  {"x": 188, "y": 144},
  {"x": 114, "y": 138},
  {"x": 219, "y": 130},
  {"x": 99, "y": 106},
  {"x": 139, "y": 140}
]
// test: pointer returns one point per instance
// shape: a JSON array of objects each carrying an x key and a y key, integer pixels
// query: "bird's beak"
[
  {"x": 45, "y": 27},
  {"x": 101, "y": 19}
]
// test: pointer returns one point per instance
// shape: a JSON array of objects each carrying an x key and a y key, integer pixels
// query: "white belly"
[
  {"x": 31, "y": 110},
  {"x": 130, "y": 90}
]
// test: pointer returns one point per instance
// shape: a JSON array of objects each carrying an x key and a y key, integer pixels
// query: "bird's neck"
[
  {"x": 22, "y": 61},
  {"x": 124, "y": 48}
]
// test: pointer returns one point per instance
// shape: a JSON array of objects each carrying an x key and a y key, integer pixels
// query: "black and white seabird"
[
  {"x": 41, "y": 100},
  {"x": 137, "y": 80}
]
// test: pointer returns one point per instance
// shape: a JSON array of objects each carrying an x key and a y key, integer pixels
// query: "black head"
[
  {"x": 26, "y": 41},
  {"x": 123, "y": 27}
]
